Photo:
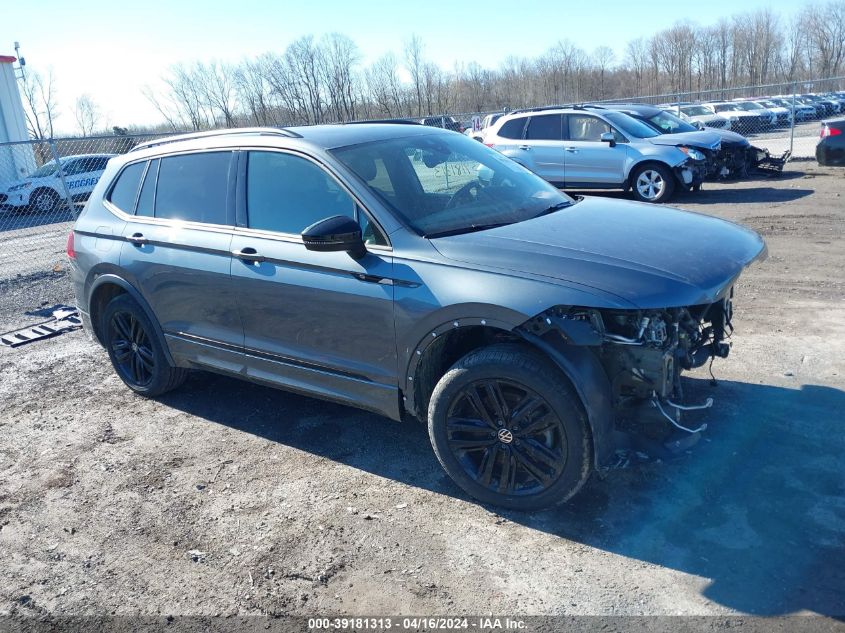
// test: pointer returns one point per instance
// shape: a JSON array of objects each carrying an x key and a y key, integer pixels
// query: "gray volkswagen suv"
[{"x": 412, "y": 271}]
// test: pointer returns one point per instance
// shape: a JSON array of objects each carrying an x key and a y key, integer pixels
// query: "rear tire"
[
  {"x": 653, "y": 182},
  {"x": 509, "y": 430},
  {"x": 135, "y": 351}
]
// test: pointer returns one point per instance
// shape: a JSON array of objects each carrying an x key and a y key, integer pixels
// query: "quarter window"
[
  {"x": 287, "y": 193},
  {"x": 193, "y": 187},
  {"x": 512, "y": 128},
  {"x": 125, "y": 190}
]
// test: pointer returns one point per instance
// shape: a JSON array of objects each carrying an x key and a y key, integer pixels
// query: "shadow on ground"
[{"x": 758, "y": 507}]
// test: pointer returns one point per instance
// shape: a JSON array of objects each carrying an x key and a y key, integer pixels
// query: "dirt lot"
[{"x": 227, "y": 498}]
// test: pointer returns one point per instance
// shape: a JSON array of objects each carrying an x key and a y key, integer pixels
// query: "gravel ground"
[{"x": 229, "y": 498}]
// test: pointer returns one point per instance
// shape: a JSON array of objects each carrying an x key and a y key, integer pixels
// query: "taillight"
[
  {"x": 70, "y": 252},
  {"x": 830, "y": 131},
  {"x": 490, "y": 144}
]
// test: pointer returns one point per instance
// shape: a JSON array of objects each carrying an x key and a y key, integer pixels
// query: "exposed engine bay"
[{"x": 643, "y": 353}]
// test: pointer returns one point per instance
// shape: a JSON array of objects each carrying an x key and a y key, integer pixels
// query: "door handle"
[
  {"x": 572, "y": 150},
  {"x": 248, "y": 254},
  {"x": 525, "y": 147},
  {"x": 137, "y": 239}
]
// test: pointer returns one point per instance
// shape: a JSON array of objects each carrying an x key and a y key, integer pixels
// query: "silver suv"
[{"x": 587, "y": 147}]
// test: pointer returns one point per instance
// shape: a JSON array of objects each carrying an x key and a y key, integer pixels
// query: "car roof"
[
  {"x": 66, "y": 158},
  {"x": 642, "y": 109},
  {"x": 323, "y": 137}
]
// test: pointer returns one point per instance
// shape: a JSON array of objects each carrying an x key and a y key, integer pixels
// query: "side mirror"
[
  {"x": 337, "y": 233},
  {"x": 607, "y": 137}
]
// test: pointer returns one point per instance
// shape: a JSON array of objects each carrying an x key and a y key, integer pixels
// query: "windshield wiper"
[
  {"x": 555, "y": 207},
  {"x": 466, "y": 229}
]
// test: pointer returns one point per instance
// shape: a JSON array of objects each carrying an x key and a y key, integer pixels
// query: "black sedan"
[{"x": 831, "y": 147}]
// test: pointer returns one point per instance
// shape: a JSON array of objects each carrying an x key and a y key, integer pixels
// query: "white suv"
[{"x": 43, "y": 191}]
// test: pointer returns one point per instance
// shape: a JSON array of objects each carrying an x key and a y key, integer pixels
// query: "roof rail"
[
  {"x": 541, "y": 108},
  {"x": 393, "y": 121},
  {"x": 269, "y": 131}
]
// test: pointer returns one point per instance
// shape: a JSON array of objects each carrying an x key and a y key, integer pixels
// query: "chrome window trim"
[{"x": 231, "y": 228}]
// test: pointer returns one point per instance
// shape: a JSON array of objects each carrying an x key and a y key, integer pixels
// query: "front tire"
[
  {"x": 135, "y": 351},
  {"x": 44, "y": 201},
  {"x": 509, "y": 430},
  {"x": 653, "y": 183}
]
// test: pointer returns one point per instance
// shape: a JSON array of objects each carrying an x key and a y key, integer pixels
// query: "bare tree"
[
  {"x": 414, "y": 63},
  {"x": 40, "y": 104},
  {"x": 87, "y": 114},
  {"x": 253, "y": 91},
  {"x": 604, "y": 58},
  {"x": 214, "y": 84},
  {"x": 385, "y": 88},
  {"x": 340, "y": 60}
]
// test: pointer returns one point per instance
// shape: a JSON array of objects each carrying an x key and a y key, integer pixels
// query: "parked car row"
[{"x": 759, "y": 114}]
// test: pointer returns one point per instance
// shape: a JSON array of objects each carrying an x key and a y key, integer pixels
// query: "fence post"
[
  {"x": 68, "y": 199},
  {"x": 792, "y": 126}
]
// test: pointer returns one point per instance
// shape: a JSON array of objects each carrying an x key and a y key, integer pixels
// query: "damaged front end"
[
  {"x": 642, "y": 353},
  {"x": 736, "y": 160}
]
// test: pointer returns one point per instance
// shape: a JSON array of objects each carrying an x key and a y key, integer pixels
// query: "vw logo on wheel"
[{"x": 505, "y": 436}]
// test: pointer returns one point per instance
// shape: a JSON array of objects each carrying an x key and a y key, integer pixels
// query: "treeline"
[{"x": 324, "y": 80}]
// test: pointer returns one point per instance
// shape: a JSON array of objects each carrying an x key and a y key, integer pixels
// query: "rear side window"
[
  {"x": 125, "y": 190},
  {"x": 193, "y": 187},
  {"x": 512, "y": 128},
  {"x": 286, "y": 193},
  {"x": 547, "y": 127}
]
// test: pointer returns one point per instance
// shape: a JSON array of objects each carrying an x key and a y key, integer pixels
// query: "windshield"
[
  {"x": 670, "y": 124},
  {"x": 47, "y": 169},
  {"x": 749, "y": 105},
  {"x": 727, "y": 107},
  {"x": 696, "y": 111},
  {"x": 441, "y": 184},
  {"x": 630, "y": 126}
]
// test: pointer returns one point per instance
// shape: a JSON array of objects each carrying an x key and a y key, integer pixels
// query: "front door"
[
  {"x": 322, "y": 322},
  {"x": 589, "y": 162}
]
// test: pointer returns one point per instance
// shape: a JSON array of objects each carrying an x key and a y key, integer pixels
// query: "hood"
[
  {"x": 649, "y": 255},
  {"x": 699, "y": 138},
  {"x": 728, "y": 137}
]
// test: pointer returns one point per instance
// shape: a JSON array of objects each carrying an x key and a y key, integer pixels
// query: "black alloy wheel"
[
  {"x": 132, "y": 350},
  {"x": 507, "y": 437}
]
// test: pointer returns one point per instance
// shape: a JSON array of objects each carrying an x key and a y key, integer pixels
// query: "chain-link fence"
[
  {"x": 778, "y": 117},
  {"x": 43, "y": 185}
]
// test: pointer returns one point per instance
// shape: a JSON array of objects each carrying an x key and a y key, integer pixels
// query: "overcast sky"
[{"x": 111, "y": 49}]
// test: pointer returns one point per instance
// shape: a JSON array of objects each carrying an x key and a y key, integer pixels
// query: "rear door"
[
  {"x": 590, "y": 162},
  {"x": 177, "y": 252},
  {"x": 316, "y": 321},
  {"x": 544, "y": 141}
]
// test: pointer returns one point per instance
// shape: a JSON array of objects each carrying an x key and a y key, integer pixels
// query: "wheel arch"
[
  {"x": 648, "y": 160},
  {"x": 108, "y": 286},
  {"x": 449, "y": 342}
]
